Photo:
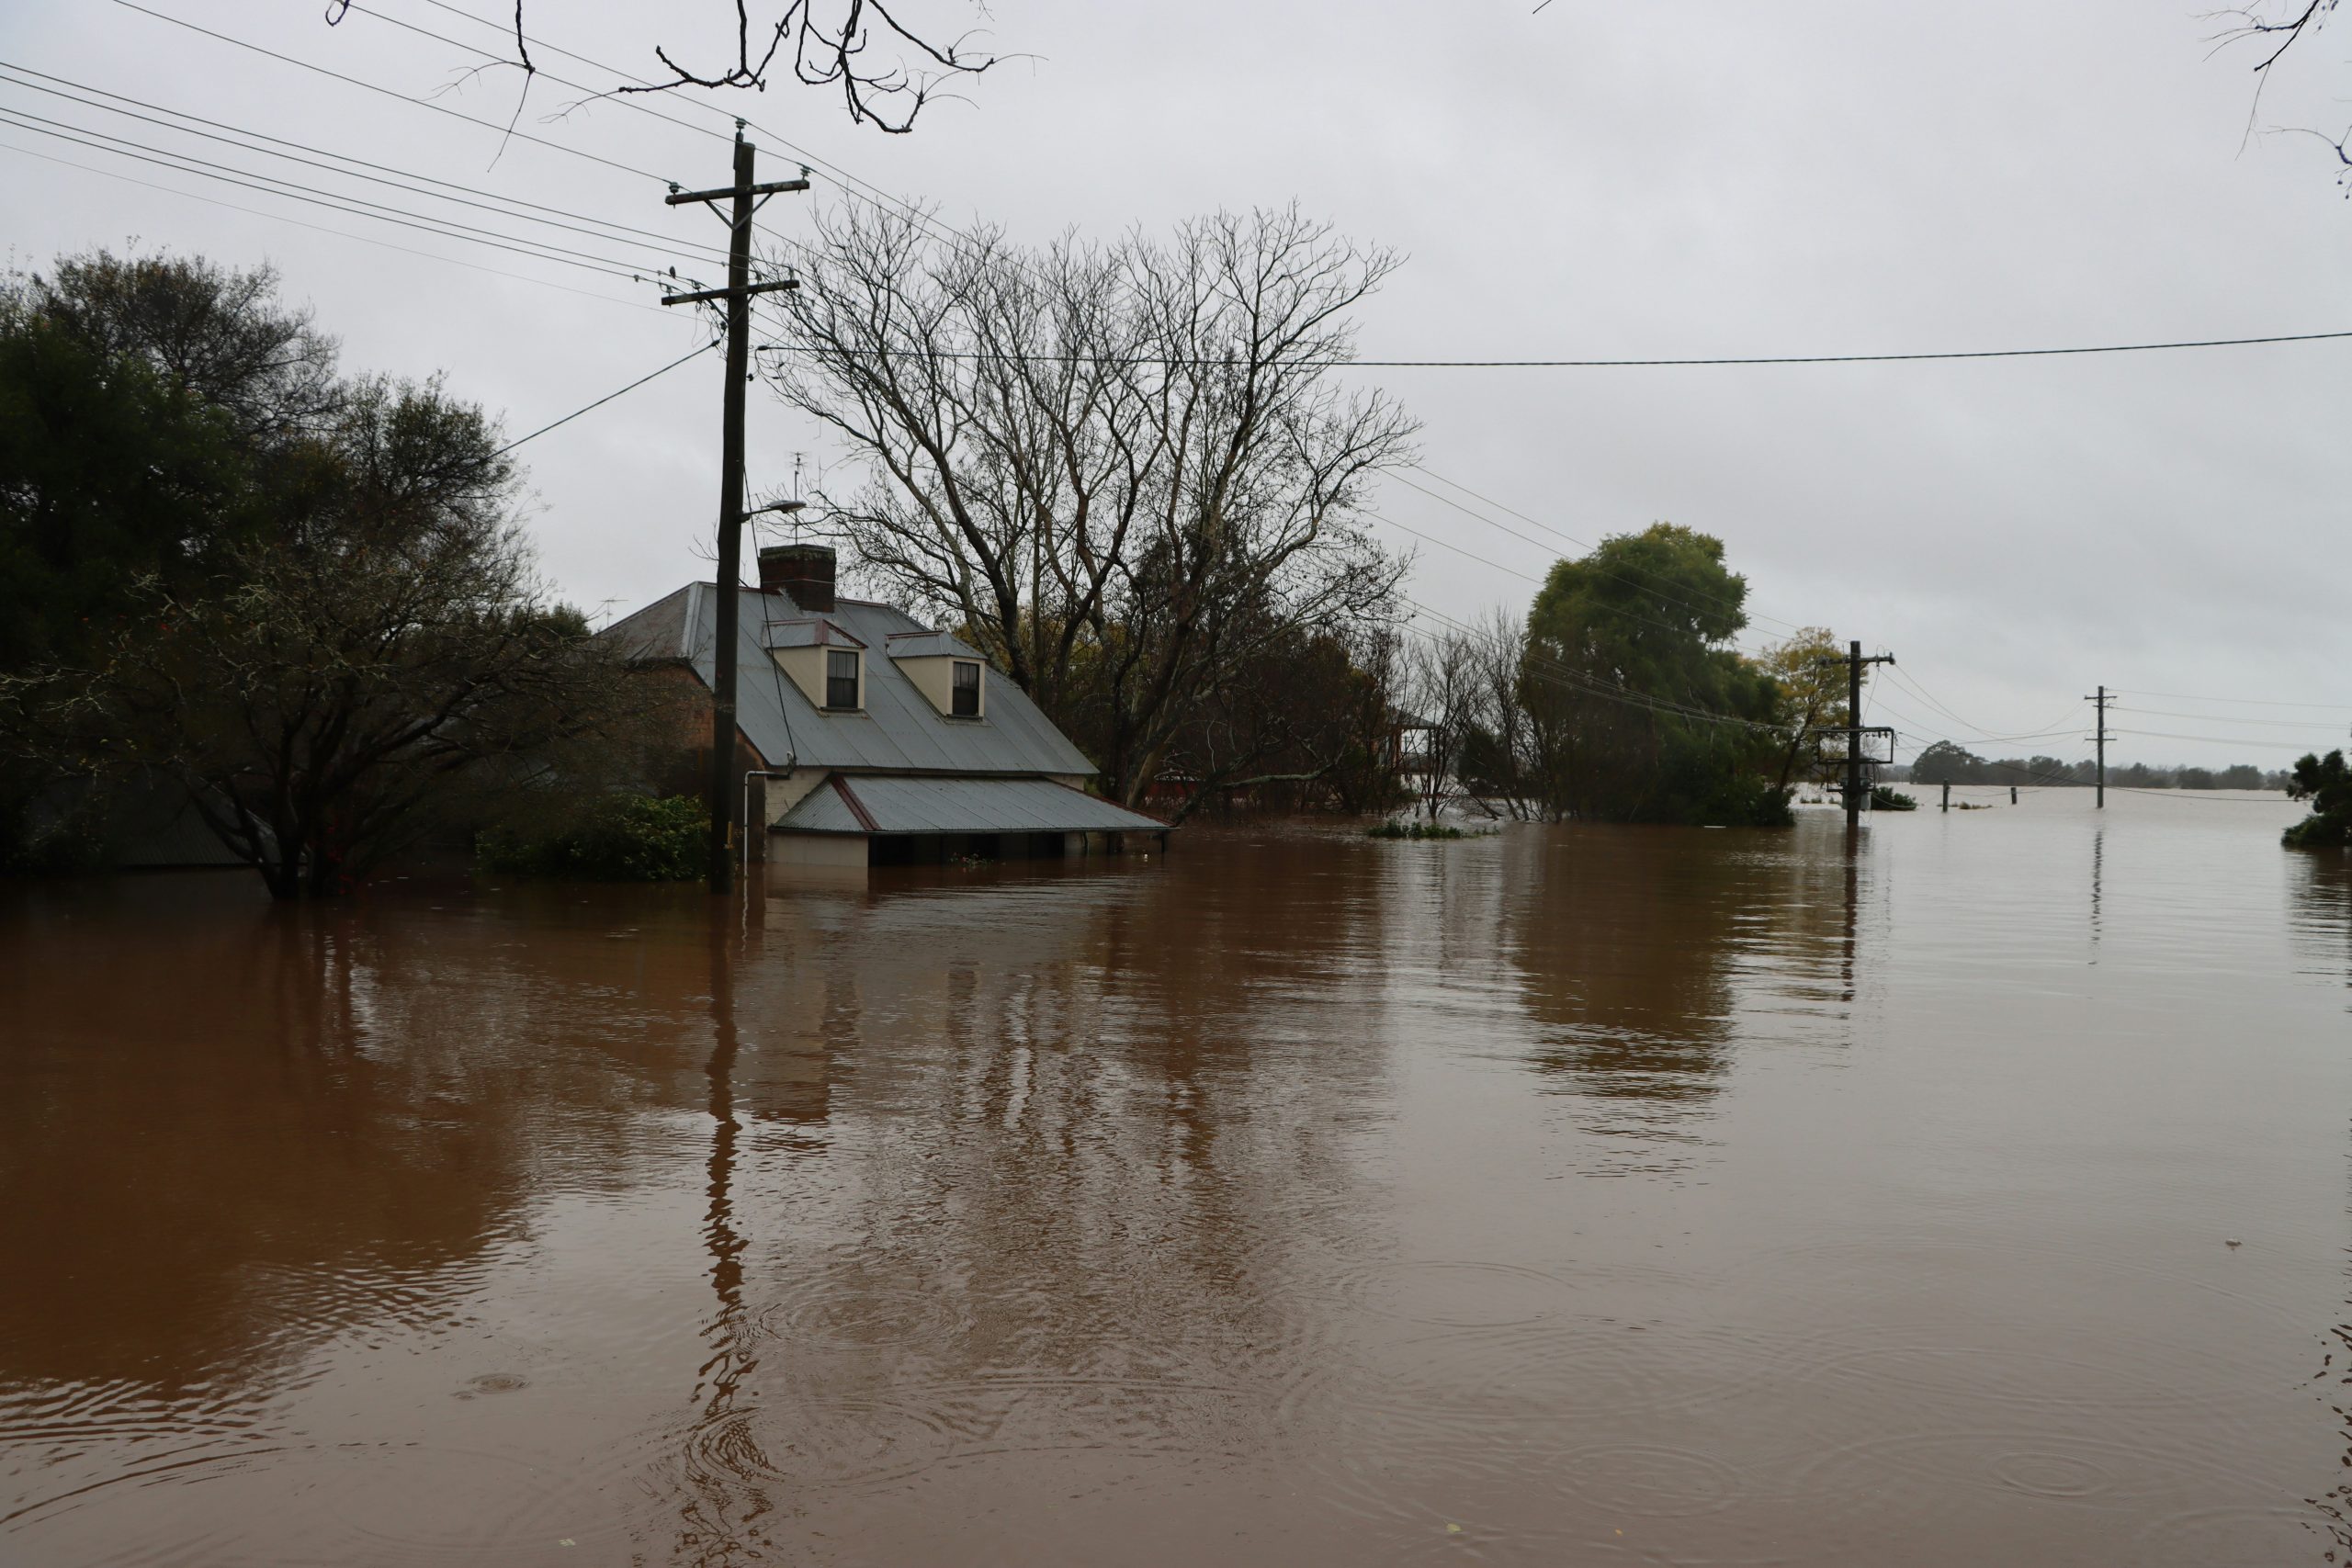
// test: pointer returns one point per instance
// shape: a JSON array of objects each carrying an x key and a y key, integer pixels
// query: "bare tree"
[
  {"x": 1506, "y": 750},
  {"x": 1126, "y": 471},
  {"x": 826, "y": 45},
  {"x": 2273, "y": 29},
  {"x": 886, "y": 68},
  {"x": 991, "y": 394},
  {"x": 1442, "y": 686}
]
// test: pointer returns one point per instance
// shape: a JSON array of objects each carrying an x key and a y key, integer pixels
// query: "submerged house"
[{"x": 865, "y": 737}]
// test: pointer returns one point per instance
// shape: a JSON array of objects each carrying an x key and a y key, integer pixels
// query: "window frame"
[
  {"x": 955, "y": 688},
  {"x": 855, "y": 678}
]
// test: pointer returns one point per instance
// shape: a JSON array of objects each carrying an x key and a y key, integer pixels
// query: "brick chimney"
[{"x": 803, "y": 571}]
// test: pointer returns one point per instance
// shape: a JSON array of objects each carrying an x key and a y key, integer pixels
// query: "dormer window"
[
  {"x": 841, "y": 679},
  {"x": 966, "y": 703}
]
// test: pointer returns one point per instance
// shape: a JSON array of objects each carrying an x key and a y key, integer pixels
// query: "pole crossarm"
[
  {"x": 745, "y": 292},
  {"x": 773, "y": 187}
]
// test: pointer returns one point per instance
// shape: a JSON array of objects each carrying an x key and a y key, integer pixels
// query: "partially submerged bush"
[
  {"x": 1886, "y": 798},
  {"x": 1419, "y": 829},
  {"x": 618, "y": 838},
  {"x": 2327, "y": 782}
]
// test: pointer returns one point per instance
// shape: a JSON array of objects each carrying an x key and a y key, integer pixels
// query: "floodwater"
[{"x": 1573, "y": 1195}]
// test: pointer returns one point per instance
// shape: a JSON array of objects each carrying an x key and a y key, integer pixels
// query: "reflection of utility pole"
[
  {"x": 736, "y": 296},
  {"x": 2102, "y": 700},
  {"x": 733, "y": 1353},
  {"x": 2098, "y": 866},
  {"x": 1854, "y": 791}
]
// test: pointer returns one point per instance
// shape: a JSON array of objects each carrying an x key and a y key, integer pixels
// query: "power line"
[
  {"x": 2242, "y": 702},
  {"x": 505, "y": 205},
  {"x": 1917, "y": 688},
  {"x": 2224, "y": 718},
  {"x": 324, "y": 229},
  {"x": 938, "y": 226},
  {"x": 2196, "y": 798},
  {"x": 1350, "y": 362},
  {"x": 370, "y": 86},
  {"x": 600, "y": 403},
  {"x": 269, "y": 184},
  {"x": 1572, "y": 678},
  {"x": 2219, "y": 739},
  {"x": 929, "y": 222},
  {"x": 1695, "y": 712},
  {"x": 1741, "y": 605}
]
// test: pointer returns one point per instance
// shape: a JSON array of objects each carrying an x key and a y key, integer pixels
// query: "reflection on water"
[
  {"x": 2321, "y": 921},
  {"x": 2098, "y": 875},
  {"x": 1575, "y": 1194}
]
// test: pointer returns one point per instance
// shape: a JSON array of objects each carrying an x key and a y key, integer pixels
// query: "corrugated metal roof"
[
  {"x": 814, "y": 633},
  {"x": 898, "y": 730},
  {"x": 886, "y": 803},
  {"x": 929, "y": 645}
]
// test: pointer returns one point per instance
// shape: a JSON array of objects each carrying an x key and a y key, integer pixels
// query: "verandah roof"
[{"x": 885, "y": 804}]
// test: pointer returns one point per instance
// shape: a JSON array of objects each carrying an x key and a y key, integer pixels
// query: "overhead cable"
[
  {"x": 324, "y": 229},
  {"x": 2239, "y": 702},
  {"x": 370, "y": 86},
  {"x": 357, "y": 206},
  {"x": 505, "y": 205},
  {"x": 607, "y": 398}
]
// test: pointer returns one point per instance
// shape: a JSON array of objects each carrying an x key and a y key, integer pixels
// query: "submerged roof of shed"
[
  {"x": 897, "y": 731},
  {"x": 887, "y": 804}
]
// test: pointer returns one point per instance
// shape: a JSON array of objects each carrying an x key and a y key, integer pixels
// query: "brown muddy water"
[{"x": 1570, "y": 1196}]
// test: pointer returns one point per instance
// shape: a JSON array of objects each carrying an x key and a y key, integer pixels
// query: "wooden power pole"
[
  {"x": 746, "y": 198},
  {"x": 1855, "y": 728},
  {"x": 2101, "y": 700}
]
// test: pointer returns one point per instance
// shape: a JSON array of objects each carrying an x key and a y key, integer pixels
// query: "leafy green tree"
[
  {"x": 1644, "y": 712},
  {"x": 299, "y": 597},
  {"x": 2327, "y": 782},
  {"x": 1810, "y": 671},
  {"x": 1946, "y": 762},
  {"x": 140, "y": 403}
]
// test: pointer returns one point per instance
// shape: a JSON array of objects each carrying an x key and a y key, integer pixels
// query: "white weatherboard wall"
[
  {"x": 833, "y": 850},
  {"x": 934, "y": 674},
  {"x": 806, "y": 666},
  {"x": 786, "y": 792}
]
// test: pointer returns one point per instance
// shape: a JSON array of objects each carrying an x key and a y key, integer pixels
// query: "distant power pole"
[
  {"x": 747, "y": 199},
  {"x": 1855, "y": 730},
  {"x": 2102, "y": 700}
]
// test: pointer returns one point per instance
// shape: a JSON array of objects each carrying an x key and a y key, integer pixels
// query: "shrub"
[
  {"x": 1417, "y": 830},
  {"x": 619, "y": 837},
  {"x": 2327, "y": 782},
  {"x": 1884, "y": 799},
  {"x": 1739, "y": 800}
]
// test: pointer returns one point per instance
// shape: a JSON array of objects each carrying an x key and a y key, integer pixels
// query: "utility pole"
[
  {"x": 747, "y": 198},
  {"x": 1855, "y": 730},
  {"x": 2102, "y": 700}
]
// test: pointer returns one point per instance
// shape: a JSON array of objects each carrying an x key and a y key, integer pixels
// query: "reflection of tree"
[
  {"x": 1629, "y": 943},
  {"x": 214, "y": 1154},
  {"x": 2321, "y": 922},
  {"x": 2320, "y": 927}
]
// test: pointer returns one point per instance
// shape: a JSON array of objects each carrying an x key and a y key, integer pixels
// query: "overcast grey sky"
[{"x": 1588, "y": 181}]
